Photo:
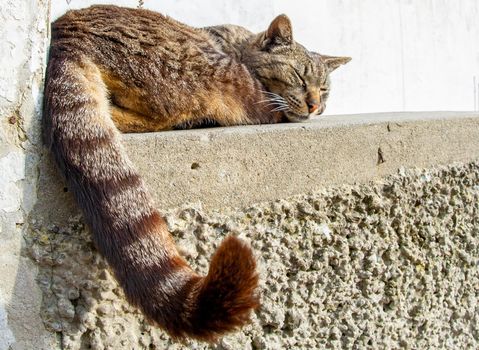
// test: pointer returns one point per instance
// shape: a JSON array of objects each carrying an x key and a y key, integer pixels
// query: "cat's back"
[
  {"x": 103, "y": 26},
  {"x": 98, "y": 19}
]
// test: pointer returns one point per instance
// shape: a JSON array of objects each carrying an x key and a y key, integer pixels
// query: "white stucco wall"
[
  {"x": 23, "y": 47},
  {"x": 407, "y": 55}
]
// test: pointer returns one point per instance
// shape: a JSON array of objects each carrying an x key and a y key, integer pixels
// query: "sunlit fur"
[{"x": 115, "y": 69}]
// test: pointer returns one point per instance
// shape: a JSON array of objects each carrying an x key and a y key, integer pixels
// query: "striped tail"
[{"x": 127, "y": 230}]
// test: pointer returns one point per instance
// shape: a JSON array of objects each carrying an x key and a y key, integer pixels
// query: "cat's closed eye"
[{"x": 300, "y": 78}]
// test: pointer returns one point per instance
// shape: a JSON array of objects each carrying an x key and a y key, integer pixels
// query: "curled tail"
[{"x": 128, "y": 231}]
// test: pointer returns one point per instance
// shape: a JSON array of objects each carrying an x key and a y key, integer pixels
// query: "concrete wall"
[
  {"x": 355, "y": 250},
  {"x": 407, "y": 55},
  {"x": 378, "y": 255},
  {"x": 23, "y": 33}
]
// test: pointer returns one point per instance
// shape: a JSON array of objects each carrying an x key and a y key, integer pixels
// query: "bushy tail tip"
[{"x": 228, "y": 294}]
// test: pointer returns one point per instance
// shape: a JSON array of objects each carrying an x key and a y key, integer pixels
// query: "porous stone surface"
[{"x": 389, "y": 264}]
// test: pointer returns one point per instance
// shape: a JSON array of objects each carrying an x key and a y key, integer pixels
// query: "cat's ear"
[
  {"x": 280, "y": 31},
  {"x": 333, "y": 62}
]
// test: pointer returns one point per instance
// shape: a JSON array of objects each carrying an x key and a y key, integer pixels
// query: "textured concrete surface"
[
  {"x": 23, "y": 46},
  {"x": 388, "y": 264},
  {"x": 240, "y": 166}
]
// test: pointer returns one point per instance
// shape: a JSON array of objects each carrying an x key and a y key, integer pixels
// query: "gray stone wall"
[{"x": 388, "y": 264}]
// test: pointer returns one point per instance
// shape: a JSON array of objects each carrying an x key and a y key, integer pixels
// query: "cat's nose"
[{"x": 312, "y": 106}]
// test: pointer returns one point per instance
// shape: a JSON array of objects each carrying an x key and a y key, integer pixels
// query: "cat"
[
  {"x": 231, "y": 39},
  {"x": 114, "y": 69}
]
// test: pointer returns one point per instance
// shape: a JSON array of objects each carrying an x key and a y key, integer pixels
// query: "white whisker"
[
  {"x": 280, "y": 109},
  {"x": 274, "y": 101},
  {"x": 277, "y": 104},
  {"x": 270, "y": 93},
  {"x": 262, "y": 101}
]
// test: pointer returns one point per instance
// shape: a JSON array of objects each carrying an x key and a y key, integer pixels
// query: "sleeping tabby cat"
[{"x": 113, "y": 70}]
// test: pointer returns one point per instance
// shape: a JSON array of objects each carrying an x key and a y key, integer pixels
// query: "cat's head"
[{"x": 296, "y": 80}]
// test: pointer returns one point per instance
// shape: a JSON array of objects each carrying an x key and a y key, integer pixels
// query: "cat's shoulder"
[{"x": 229, "y": 32}]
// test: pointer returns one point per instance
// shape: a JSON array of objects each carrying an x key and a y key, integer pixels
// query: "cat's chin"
[{"x": 296, "y": 118}]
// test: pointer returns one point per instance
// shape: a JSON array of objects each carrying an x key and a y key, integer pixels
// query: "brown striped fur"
[{"x": 115, "y": 69}]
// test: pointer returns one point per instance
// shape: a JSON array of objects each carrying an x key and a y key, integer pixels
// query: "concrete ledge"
[{"x": 239, "y": 166}]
